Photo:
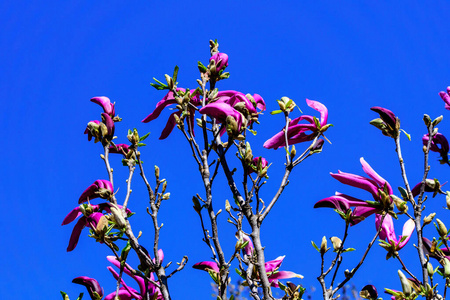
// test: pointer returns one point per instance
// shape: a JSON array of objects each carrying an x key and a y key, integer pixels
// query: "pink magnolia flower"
[
  {"x": 254, "y": 165},
  {"x": 221, "y": 112},
  {"x": 100, "y": 188},
  {"x": 272, "y": 267},
  {"x": 119, "y": 149},
  {"x": 376, "y": 185},
  {"x": 297, "y": 133},
  {"x": 93, "y": 130},
  {"x": 128, "y": 292},
  {"x": 168, "y": 100},
  {"x": 388, "y": 123},
  {"x": 91, "y": 285},
  {"x": 221, "y": 60},
  {"x": 207, "y": 266},
  {"x": 387, "y": 232},
  {"x": 250, "y": 103},
  {"x": 90, "y": 221},
  {"x": 106, "y": 104},
  {"x": 446, "y": 97},
  {"x": 439, "y": 144}
]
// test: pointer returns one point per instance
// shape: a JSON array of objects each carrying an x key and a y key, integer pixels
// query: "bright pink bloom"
[
  {"x": 221, "y": 60},
  {"x": 272, "y": 267},
  {"x": 100, "y": 188},
  {"x": 106, "y": 104},
  {"x": 387, "y": 232},
  {"x": 168, "y": 100},
  {"x": 297, "y": 132},
  {"x": 207, "y": 266},
  {"x": 220, "y": 111},
  {"x": 119, "y": 149},
  {"x": 90, "y": 221},
  {"x": 446, "y": 97},
  {"x": 128, "y": 291},
  {"x": 374, "y": 185},
  {"x": 93, "y": 130},
  {"x": 439, "y": 144},
  {"x": 233, "y": 97},
  {"x": 254, "y": 165},
  {"x": 91, "y": 285}
]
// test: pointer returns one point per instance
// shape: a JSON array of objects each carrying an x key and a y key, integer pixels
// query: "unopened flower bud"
[
  {"x": 399, "y": 203},
  {"x": 227, "y": 206},
  {"x": 437, "y": 120},
  {"x": 430, "y": 269},
  {"x": 166, "y": 196},
  {"x": 293, "y": 152},
  {"x": 118, "y": 217},
  {"x": 156, "y": 171},
  {"x": 427, "y": 220},
  {"x": 323, "y": 245},
  {"x": 446, "y": 264},
  {"x": 427, "y": 120},
  {"x": 336, "y": 243},
  {"x": 232, "y": 125},
  {"x": 442, "y": 230},
  {"x": 164, "y": 186},
  {"x": 369, "y": 292},
  {"x": 406, "y": 286}
]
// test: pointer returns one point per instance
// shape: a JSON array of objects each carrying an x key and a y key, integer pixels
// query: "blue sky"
[{"x": 56, "y": 55}]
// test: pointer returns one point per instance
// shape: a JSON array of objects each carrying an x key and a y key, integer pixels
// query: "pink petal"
[
  {"x": 374, "y": 175},
  {"x": 320, "y": 108}
]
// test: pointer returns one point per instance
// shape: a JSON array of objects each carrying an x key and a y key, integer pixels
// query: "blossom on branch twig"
[
  {"x": 92, "y": 285},
  {"x": 100, "y": 188},
  {"x": 297, "y": 132},
  {"x": 439, "y": 144},
  {"x": 446, "y": 97},
  {"x": 380, "y": 189},
  {"x": 387, "y": 233}
]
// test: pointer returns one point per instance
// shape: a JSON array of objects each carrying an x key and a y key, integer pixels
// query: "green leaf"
[
  {"x": 175, "y": 74},
  {"x": 407, "y": 135},
  {"x": 64, "y": 295},
  {"x": 275, "y": 112},
  {"x": 214, "y": 276},
  {"x": 348, "y": 250},
  {"x": 201, "y": 67},
  {"x": 141, "y": 144},
  {"x": 315, "y": 246},
  {"x": 244, "y": 244},
  {"x": 81, "y": 296},
  {"x": 403, "y": 192},
  {"x": 316, "y": 121},
  {"x": 144, "y": 137}
]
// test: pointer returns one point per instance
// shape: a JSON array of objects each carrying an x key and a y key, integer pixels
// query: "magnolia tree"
[{"x": 215, "y": 125}]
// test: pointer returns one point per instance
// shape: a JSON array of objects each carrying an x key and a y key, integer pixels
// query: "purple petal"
[
  {"x": 170, "y": 125},
  {"x": 105, "y": 103},
  {"x": 260, "y": 104},
  {"x": 273, "y": 264},
  {"x": 206, "y": 265},
  {"x": 446, "y": 97},
  {"x": 408, "y": 229},
  {"x": 91, "y": 285},
  {"x": 123, "y": 294},
  {"x": 320, "y": 108},
  {"x": 248, "y": 250},
  {"x": 74, "y": 213},
  {"x": 140, "y": 281},
  {"x": 386, "y": 115},
  {"x": 387, "y": 228},
  {"x": 166, "y": 101},
  {"x": 76, "y": 232},
  {"x": 357, "y": 181},
  {"x": 374, "y": 175}
]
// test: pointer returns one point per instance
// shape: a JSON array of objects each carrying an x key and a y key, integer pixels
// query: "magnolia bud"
[
  {"x": 430, "y": 269},
  {"x": 437, "y": 120},
  {"x": 427, "y": 220},
  {"x": 118, "y": 217},
  {"x": 232, "y": 125},
  {"x": 442, "y": 230},
  {"x": 156, "y": 171},
  {"x": 446, "y": 264},
  {"x": 447, "y": 199},
  {"x": 293, "y": 152},
  {"x": 227, "y": 206},
  {"x": 427, "y": 120},
  {"x": 164, "y": 187},
  {"x": 400, "y": 204},
  {"x": 323, "y": 245},
  {"x": 406, "y": 286},
  {"x": 166, "y": 196},
  {"x": 336, "y": 243}
]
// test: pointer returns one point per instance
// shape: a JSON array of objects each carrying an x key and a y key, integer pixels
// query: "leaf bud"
[
  {"x": 442, "y": 230},
  {"x": 293, "y": 152},
  {"x": 400, "y": 203}
]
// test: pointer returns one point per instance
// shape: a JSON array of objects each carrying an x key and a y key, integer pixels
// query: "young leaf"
[
  {"x": 315, "y": 246},
  {"x": 175, "y": 74},
  {"x": 144, "y": 137}
]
